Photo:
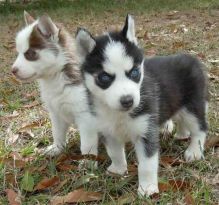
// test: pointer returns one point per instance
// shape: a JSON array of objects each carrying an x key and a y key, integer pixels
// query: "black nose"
[
  {"x": 14, "y": 70},
  {"x": 126, "y": 101}
]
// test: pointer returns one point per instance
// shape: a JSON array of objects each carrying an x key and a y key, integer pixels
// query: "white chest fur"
[
  {"x": 120, "y": 125},
  {"x": 68, "y": 101}
]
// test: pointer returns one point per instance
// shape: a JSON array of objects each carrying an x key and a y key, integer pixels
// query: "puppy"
[
  {"x": 132, "y": 97},
  {"x": 46, "y": 53}
]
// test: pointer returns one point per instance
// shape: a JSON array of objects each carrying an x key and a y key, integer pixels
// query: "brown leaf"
[
  {"x": 13, "y": 197},
  {"x": 189, "y": 199},
  {"x": 212, "y": 142},
  {"x": 163, "y": 187},
  {"x": 61, "y": 184},
  {"x": 13, "y": 163},
  {"x": 66, "y": 167},
  {"x": 10, "y": 116},
  {"x": 46, "y": 183},
  {"x": 34, "y": 124},
  {"x": 168, "y": 160},
  {"x": 76, "y": 196},
  {"x": 179, "y": 185},
  {"x": 31, "y": 105}
]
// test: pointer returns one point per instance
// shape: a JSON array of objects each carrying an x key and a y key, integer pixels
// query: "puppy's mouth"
[{"x": 28, "y": 79}]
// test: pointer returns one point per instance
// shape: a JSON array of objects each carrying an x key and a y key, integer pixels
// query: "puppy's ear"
[
  {"x": 85, "y": 42},
  {"x": 28, "y": 18},
  {"x": 47, "y": 28},
  {"x": 128, "y": 30}
]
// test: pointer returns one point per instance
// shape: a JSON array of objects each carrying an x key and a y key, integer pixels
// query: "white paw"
[
  {"x": 181, "y": 137},
  {"x": 53, "y": 150},
  {"x": 168, "y": 127},
  {"x": 147, "y": 190},
  {"x": 193, "y": 153},
  {"x": 87, "y": 164},
  {"x": 117, "y": 170}
]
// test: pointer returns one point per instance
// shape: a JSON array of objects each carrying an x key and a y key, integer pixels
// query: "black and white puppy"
[{"x": 132, "y": 96}]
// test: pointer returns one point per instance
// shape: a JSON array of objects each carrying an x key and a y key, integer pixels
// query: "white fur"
[
  {"x": 131, "y": 30},
  {"x": 121, "y": 86},
  {"x": 66, "y": 103},
  {"x": 189, "y": 123},
  {"x": 147, "y": 171}
]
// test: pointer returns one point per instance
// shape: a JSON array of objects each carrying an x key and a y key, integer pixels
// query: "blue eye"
[
  {"x": 104, "y": 80},
  {"x": 134, "y": 74},
  {"x": 104, "y": 77}
]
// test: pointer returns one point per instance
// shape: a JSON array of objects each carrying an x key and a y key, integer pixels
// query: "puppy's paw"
[
  {"x": 53, "y": 150},
  {"x": 87, "y": 164},
  {"x": 117, "y": 170},
  {"x": 167, "y": 127},
  {"x": 147, "y": 190},
  {"x": 193, "y": 153}
]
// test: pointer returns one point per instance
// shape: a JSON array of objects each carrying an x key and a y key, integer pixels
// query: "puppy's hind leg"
[{"x": 197, "y": 125}]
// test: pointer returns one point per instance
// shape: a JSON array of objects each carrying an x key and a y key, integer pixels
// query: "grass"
[{"x": 160, "y": 31}]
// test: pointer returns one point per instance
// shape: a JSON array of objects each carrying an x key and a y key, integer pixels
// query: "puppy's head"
[
  {"x": 112, "y": 65},
  {"x": 39, "y": 52}
]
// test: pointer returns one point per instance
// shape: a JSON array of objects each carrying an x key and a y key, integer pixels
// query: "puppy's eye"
[
  {"x": 31, "y": 55},
  {"x": 134, "y": 74},
  {"x": 104, "y": 80}
]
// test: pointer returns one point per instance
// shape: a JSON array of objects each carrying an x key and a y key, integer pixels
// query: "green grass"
[{"x": 153, "y": 17}]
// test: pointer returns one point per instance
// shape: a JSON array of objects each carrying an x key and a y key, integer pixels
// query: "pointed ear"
[
  {"x": 128, "y": 30},
  {"x": 28, "y": 18},
  {"x": 85, "y": 42},
  {"x": 47, "y": 28}
]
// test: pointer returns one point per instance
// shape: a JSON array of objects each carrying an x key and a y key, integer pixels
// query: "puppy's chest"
[
  {"x": 122, "y": 126},
  {"x": 68, "y": 102}
]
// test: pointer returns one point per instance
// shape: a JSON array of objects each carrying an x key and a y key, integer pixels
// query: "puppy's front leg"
[
  {"x": 59, "y": 129},
  {"x": 116, "y": 152},
  {"x": 147, "y": 148}
]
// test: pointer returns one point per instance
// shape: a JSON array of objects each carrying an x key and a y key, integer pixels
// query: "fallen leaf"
[
  {"x": 60, "y": 185},
  {"x": 125, "y": 199},
  {"x": 76, "y": 196},
  {"x": 172, "y": 161},
  {"x": 212, "y": 142},
  {"x": 31, "y": 105},
  {"x": 13, "y": 197},
  {"x": 10, "y": 116},
  {"x": 46, "y": 183},
  {"x": 179, "y": 185},
  {"x": 26, "y": 127},
  {"x": 66, "y": 167},
  {"x": 189, "y": 199}
]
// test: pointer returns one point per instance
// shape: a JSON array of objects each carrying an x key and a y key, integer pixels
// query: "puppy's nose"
[
  {"x": 14, "y": 70},
  {"x": 126, "y": 101}
]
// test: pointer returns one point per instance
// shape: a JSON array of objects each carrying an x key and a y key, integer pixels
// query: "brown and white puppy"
[{"x": 46, "y": 53}]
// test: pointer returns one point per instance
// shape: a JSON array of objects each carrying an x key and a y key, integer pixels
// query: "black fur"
[{"x": 177, "y": 81}]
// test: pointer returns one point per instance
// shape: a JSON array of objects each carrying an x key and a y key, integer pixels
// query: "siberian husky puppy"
[
  {"x": 46, "y": 53},
  {"x": 132, "y": 96}
]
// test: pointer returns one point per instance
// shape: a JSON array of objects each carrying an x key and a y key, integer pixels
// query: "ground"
[{"x": 162, "y": 28}]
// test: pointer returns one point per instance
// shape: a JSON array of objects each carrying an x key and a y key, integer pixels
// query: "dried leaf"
[
  {"x": 61, "y": 184},
  {"x": 31, "y": 105},
  {"x": 13, "y": 197},
  {"x": 10, "y": 116},
  {"x": 46, "y": 183},
  {"x": 179, "y": 185},
  {"x": 76, "y": 196},
  {"x": 168, "y": 160},
  {"x": 66, "y": 167},
  {"x": 27, "y": 127},
  {"x": 212, "y": 142},
  {"x": 125, "y": 199},
  {"x": 189, "y": 199}
]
